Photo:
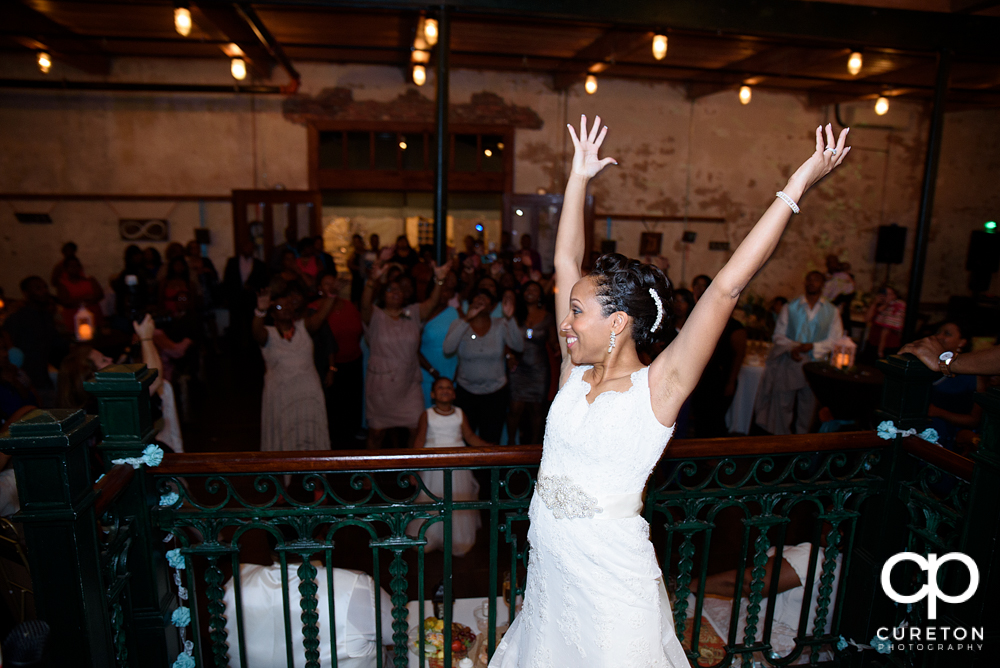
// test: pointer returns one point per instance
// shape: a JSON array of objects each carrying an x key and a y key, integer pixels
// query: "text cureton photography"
[{"x": 931, "y": 637}]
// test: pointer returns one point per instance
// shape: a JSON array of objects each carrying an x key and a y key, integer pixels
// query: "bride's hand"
[
  {"x": 585, "y": 160},
  {"x": 823, "y": 161}
]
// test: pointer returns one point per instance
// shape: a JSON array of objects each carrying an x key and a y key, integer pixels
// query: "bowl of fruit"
[{"x": 432, "y": 629}]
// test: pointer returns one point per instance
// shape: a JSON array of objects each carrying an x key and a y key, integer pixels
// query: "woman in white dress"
[
  {"x": 293, "y": 408},
  {"x": 595, "y": 594},
  {"x": 444, "y": 425}
]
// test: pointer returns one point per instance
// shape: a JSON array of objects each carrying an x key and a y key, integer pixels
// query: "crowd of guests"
[{"x": 350, "y": 360}]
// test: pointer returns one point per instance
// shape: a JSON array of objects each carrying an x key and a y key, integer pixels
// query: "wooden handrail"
[
  {"x": 111, "y": 485},
  {"x": 946, "y": 460},
  {"x": 505, "y": 456}
]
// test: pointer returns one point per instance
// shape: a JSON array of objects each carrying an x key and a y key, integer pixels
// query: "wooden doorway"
[{"x": 269, "y": 218}]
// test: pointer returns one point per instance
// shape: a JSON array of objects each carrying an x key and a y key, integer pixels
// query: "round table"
[{"x": 853, "y": 394}]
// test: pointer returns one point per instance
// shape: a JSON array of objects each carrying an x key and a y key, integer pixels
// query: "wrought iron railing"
[{"x": 713, "y": 505}]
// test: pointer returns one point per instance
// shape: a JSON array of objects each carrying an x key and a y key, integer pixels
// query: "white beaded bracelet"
[{"x": 788, "y": 200}]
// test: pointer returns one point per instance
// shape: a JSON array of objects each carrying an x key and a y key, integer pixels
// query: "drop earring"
[{"x": 613, "y": 336}]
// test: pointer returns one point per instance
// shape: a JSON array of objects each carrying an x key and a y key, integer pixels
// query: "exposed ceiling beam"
[
  {"x": 231, "y": 23},
  {"x": 38, "y": 32},
  {"x": 824, "y": 22},
  {"x": 971, "y": 6},
  {"x": 599, "y": 55},
  {"x": 777, "y": 60},
  {"x": 871, "y": 87},
  {"x": 269, "y": 42}
]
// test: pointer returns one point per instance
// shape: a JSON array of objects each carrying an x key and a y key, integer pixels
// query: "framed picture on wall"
[{"x": 650, "y": 243}]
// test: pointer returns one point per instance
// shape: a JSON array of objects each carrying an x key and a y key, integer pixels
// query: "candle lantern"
[
  {"x": 83, "y": 324},
  {"x": 842, "y": 355}
]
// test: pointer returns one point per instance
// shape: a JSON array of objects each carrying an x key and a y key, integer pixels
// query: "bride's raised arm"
[
  {"x": 570, "y": 236},
  {"x": 675, "y": 372}
]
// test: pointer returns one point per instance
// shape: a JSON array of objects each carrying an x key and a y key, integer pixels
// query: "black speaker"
[
  {"x": 984, "y": 253},
  {"x": 891, "y": 244}
]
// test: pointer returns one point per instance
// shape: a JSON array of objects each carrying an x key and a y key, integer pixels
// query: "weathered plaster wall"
[{"x": 713, "y": 157}]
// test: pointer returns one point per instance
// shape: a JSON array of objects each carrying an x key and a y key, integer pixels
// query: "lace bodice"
[{"x": 608, "y": 447}]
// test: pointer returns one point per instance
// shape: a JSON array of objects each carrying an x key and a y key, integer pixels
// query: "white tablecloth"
[
  {"x": 739, "y": 417},
  {"x": 462, "y": 612}
]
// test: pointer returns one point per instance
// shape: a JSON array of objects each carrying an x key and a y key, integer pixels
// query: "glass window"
[
  {"x": 492, "y": 159},
  {"x": 466, "y": 148},
  {"x": 331, "y": 150},
  {"x": 412, "y": 147},
  {"x": 359, "y": 150},
  {"x": 386, "y": 151}
]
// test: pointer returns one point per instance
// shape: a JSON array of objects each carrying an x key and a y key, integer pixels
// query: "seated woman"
[{"x": 953, "y": 407}]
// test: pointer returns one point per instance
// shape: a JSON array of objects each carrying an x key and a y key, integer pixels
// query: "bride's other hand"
[
  {"x": 586, "y": 163},
  {"x": 823, "y": 160}
]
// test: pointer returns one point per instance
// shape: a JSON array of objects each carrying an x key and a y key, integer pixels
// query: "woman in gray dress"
[{"x": 529, "y": 371}]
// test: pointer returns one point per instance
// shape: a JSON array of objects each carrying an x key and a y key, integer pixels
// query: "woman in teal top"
[{"x": 434, "y": 363}]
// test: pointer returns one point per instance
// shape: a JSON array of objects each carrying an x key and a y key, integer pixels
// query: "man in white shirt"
[
  {"x": 807, "y": 329},
  {"x": 263, "y": 623}
]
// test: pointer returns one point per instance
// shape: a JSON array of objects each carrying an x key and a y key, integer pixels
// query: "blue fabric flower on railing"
[
  {"x": 842, "y": 644},
  {"x": 167, "y": 500},
  {"x": 181, "y": 616},
  {"x": 888, "y": 431},
  {"x": 184, "y": 661},
  {"x": 881, "y": 646},
  {"x": 175, "y": 558},
  {"x": 151, "y": 456}
]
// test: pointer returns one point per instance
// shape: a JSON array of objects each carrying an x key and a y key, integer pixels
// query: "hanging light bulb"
[
  {"x": 419, "y": 75},
  {"x": 590, "y": 85},
  {"x": 44, "y": 62},
  {"x": 854, "y": 63},
  {"x": 239, "y": 69},
  {"x": 431, "y": 31},
  {"x": 881, "y": 106},
  {"x": 182, "y": 21},
  {"x": 659, "y": 46},
  {"x": 745, "y": 94}
]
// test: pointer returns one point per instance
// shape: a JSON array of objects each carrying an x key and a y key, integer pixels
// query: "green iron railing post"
[
  {"x": 52, "y": 467},
  {"x": 981, "y": 533},
  {"x": 122, "y": 393},
  {"x": 882, "y": 528}
]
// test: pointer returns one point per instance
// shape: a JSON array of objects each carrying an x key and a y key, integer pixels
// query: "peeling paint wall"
[{"x": 713, "y": 157}]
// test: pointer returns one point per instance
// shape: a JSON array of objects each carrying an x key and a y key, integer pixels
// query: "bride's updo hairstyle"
[{"x": 623, "y": 285}]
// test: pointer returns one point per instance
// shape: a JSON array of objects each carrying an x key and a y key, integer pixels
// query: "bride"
[{"x": 594, "y": 593}]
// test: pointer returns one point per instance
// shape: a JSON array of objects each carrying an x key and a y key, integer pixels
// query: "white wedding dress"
[{"x": 594, "y": 594}]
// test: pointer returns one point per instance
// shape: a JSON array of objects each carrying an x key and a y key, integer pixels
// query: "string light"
[
  {"x": 44, "y": 62},
  {"x": 590, "y": 85},
  {"x": 431, "y": 31},
  {"x": 239, "y": 69},
  {"x": 488, "y": 153},
  {"x": 854, "y": 63},
  {"x": 402, "y": 145},
  {"x": 182, "y": 21},
  {"x": 419, "y": 75},
  {"x": 659, "y": 46},
  {"x": 881, "y": 106},
  {"x": 745, "y": 94}
]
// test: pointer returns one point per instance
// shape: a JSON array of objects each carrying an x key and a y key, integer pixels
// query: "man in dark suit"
[{"x": 244, "y": 276}]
